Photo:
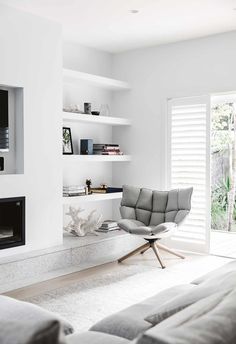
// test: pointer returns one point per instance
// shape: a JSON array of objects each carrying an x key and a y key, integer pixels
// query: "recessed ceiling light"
[{"x": 133, "y": 11}]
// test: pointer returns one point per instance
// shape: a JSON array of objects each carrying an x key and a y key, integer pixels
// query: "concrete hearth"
[{"x": 75, "y": 254}]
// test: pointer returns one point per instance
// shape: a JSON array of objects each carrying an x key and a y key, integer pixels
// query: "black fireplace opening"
[{"x": 12, "y": 222}]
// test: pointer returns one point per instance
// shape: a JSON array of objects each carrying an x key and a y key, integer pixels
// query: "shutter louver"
[{"x": 188, "y": 162}]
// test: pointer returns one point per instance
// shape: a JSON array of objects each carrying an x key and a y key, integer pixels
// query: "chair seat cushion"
[
  {"x": 129, "y": 323},
  {"x": 134, "y": 227},
  {"x": 139, "y": 228}
]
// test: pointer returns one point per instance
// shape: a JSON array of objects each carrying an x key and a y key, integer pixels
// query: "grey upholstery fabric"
[
  {"x": 12, "y": 305},
  {"x": 211, "y": 320},
  {"x": 217, "y": 273},
  {"x": 94, "y": 338},
  {"x": 186, "y": 299},
  {"x": 130, "y": 322},
  {"x": 137, "y": 227},
  {"x": 24, "y": 323},
  {"x": 146, "y": 209}
]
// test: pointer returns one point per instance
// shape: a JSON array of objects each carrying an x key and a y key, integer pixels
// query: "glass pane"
[{"x": 223, "y": 164}]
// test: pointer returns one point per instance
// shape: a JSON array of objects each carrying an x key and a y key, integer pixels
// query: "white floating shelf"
[
  {"x": 92, "y": 198},
  {"x": 76, "y": 117},
  {"x": 101, "y": 81},
  {"x": 96, "y": 158}
]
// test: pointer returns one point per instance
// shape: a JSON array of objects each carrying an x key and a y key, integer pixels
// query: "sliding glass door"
[{"x": 223, "y": 175}]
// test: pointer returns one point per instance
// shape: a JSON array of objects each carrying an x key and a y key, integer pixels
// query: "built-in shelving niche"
[
  {"x": 79, "y": 87},
  {"x": 13, "y": 155}
]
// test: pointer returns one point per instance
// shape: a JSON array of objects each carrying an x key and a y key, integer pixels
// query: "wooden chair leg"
[
  {"x": 142, "y": 252},
  {"x": 140, "y": 248},
  {"x": 167, "y": 249},
  {"x": 156, "y": 251}
]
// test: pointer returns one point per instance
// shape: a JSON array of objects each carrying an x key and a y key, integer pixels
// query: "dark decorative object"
[
  {"x": 67, "y": 141},
  {"x": 1, "y": 164},
  {"x": 12, "y": 222},
  {"x": 95, "y": 113},
  {"x": 86, "y": 147},
  {"x": 87, "y": 108},
  {"x": 111, "y": 189},
  {"x": 4, "y": 129},
  {"x": 88, "y": 183}
]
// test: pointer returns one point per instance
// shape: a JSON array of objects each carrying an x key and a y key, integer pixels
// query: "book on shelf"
[
  {"x": 107, "y": 153},
  {"x": 107, "y": 149},
  {"x": 98, "y": 190},
  {"x": 106, "y": 190},
  {"x": 73, "y": 190},
  {"x": 104, "y": 145},
  {"x": 107, "y": 230},
  {"x": 73, "y": 194},
  {"x": 109, "y": 224},
  {"x": 113, "y": 153},
  {"x": 111, "y": 189},
  {"x": 111, "y": 148}
]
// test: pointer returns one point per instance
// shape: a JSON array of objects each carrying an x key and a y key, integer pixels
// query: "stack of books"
[
  {"x": 73, "y": 190},
  {"x": 106, "y": 190},
  {"x": 108, "y": 226},
  {"x": 106, "y": 149}
]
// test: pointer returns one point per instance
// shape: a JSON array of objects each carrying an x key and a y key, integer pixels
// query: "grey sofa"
[{"x": 202, "y": 312}]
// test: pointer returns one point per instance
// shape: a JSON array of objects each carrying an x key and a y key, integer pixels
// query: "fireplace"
[{"x": 12, "y": 222}]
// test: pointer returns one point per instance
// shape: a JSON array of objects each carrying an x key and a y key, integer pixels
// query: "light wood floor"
[
  {"x": 59, "y": 282},
  {"x": 148, "y": 259}
]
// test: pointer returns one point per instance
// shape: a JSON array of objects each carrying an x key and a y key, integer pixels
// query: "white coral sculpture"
[{"x": 82, "y": 226}]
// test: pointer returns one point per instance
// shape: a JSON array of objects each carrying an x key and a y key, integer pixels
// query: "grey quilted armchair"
[{"x": 154, "y": 215}]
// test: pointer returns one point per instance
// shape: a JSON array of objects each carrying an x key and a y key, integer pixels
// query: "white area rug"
[{"x": 85, "y": 302}]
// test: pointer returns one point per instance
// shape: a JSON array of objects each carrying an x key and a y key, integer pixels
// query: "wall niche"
[{"x": 11, "y": 130}]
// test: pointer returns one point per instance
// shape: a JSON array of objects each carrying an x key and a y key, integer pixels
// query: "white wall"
[
  {"x": 31, "y": 58},
  {"x": 183, "y": 69},
  {"x": 85, "y": 59}
]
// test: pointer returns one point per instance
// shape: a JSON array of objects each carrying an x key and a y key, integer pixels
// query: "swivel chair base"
[{"x": 152, "y": 243}]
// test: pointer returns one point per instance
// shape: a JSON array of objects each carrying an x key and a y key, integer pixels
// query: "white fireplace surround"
[{"x": 35, "y": 64}]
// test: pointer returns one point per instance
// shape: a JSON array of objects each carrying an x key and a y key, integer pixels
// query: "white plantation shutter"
[{"x": 189, "y": 161}]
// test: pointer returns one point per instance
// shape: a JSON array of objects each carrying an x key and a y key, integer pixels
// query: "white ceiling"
[{"x": 108, "y": 24}]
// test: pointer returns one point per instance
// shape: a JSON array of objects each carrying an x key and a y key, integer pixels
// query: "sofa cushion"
[
  {"x": 130, "y": 322},
  {"x": 95, "y": 338},
  {"x": 205, "y": 289},
  {"x": 211, "y": 320},
  {"x": 24, "y": 323},
  {"x": 223, "y": 270},
  {"x": 27, "y": 307}
]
